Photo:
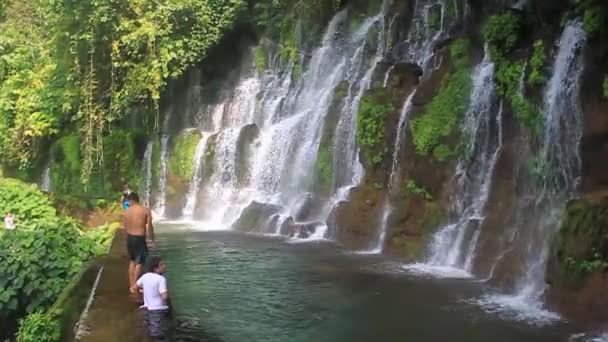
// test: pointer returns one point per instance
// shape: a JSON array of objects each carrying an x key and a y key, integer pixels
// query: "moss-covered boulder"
[
  {"x": 414, "y": 219},
  {"x": 581, "y": 244},
  {"x": 181, "y": 154},
  {"x": 576, "y": 272},
  {"x": 356, "y": 223},
  {"x": 244, "y": 144}
]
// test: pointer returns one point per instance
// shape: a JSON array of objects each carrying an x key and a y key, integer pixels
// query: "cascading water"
[
  {"x": 420, "y": 45},
  {"x": 289, "y": 116},
  {"x": 46, "y": 183},
  {"x": 344, "y": 140},
  {"x": 454, "y": 246},
  {"x": 147, "y": 173},
  {"x": 164, "y": 156},
  {"x": 558, "y": 170},
  {"x": 395, "y": 168}
]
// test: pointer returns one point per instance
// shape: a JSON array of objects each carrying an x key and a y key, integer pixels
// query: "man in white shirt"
[
  {"x": 9, "y": 221},
  {"x": 156, "y": 297}
]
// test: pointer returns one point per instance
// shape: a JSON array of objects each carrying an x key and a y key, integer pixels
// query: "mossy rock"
[
  {"x": 181, "y": 154},
  {"x": 580, "y": 247},
  {"x": 246, "y": 138},
  {"x": 209, "y": 158}
]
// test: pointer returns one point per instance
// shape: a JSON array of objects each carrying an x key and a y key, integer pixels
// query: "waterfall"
[
  {"x": 395, "y": 169},
  {"x": 454, "y": 245},
  {"x": 197, "y": 177},
  {"x": 421, "y": 42},
  {"x": 46, "y": 183},
  {"x": 164, "y": 157},
  {"x": 348, "y": 169},
  {"x": 559, "y": 163},
  {"x": 270, "y": 127},
  {"x": 147, "y": 173}
]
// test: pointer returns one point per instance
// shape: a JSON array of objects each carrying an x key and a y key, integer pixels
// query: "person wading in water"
[{"x": 140, "y": 233}]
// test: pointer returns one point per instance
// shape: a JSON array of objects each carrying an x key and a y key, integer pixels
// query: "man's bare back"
[{"x": 136, "y": 218}]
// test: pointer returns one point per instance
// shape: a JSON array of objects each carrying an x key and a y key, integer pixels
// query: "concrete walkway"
[{"x": 114, "y": 313}]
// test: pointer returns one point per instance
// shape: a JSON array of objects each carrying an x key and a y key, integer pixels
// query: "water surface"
[{"x": 232, "y": 287}]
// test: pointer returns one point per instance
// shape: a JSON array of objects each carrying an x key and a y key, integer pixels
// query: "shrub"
[
  {"x": 536, "y": 77},
  {"x": 447, "y": 107},
  {"x": 371, "y": 119},
  {"x": 413, "y": 188},
  {"x": 25, "y": 201},
  {"x": 501, "y": 31},
  {"x": 605, "y": 86},
  {"x": 39, "y": 327},
  {"x": 42, "y": 255}
]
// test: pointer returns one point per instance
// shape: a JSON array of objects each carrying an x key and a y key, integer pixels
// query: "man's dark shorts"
[
  {"x": 137, "y": 248},
  {"x": 157, "y": 324}
]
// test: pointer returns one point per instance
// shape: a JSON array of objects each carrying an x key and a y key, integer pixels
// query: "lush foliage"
[
  {"x": 324, "y": 168},
  {"x": 25, "y": 201},
  {"x": 594, "y": 14},
  {"x": 118, "y": 166},
  {"x": 578, "y": 246},
  {"x": 502, "y": 30},
  {"x": 447, "y": 107},
  {"x": 374, "y": 108},
  {"x": 510, "y": 74},
  {"x": 82, "y": 66},
  {"x": 41, "y": 255},
  {"x": 413, "y": 188},
  {"x": 605, "y": 87},
  {"x": 39, "y": 327},
  {"x": 537, "y": 62}
]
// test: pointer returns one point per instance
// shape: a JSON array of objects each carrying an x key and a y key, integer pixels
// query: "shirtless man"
[{"x": 138, "y": 223}]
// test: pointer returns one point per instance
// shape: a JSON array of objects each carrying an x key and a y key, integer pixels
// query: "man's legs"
[
  {"x": 132, "y": 276},
  {"x": 137, "y": 271}
]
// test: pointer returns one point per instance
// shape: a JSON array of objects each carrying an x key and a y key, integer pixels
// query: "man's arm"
[{"x": 138, "y": 285}]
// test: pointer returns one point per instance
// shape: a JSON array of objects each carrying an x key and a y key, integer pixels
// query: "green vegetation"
[
  {"x": 39, "y": 327},
  {"x": 324, "y": 168},
  {"x": 594, "y": 14},
  {"x": 578, "y": 246},
  {"x": 84, "y": 66},
  {"x": 584, "y": 267},
  {"x": 502, "y": 31},
  {"x": 41, "y": 255},
  {"x": 119, "y": 165},
  {"x": 536, "y": 77},
  {"x": 443, "y": 113},
  {"x": 605, "y": 87},
  {"x": 374, "y": 108},
  {"x": 413, "y": 188},
  {"x": 182, "y": 154},
  {"x": 260, "y": 58}
]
